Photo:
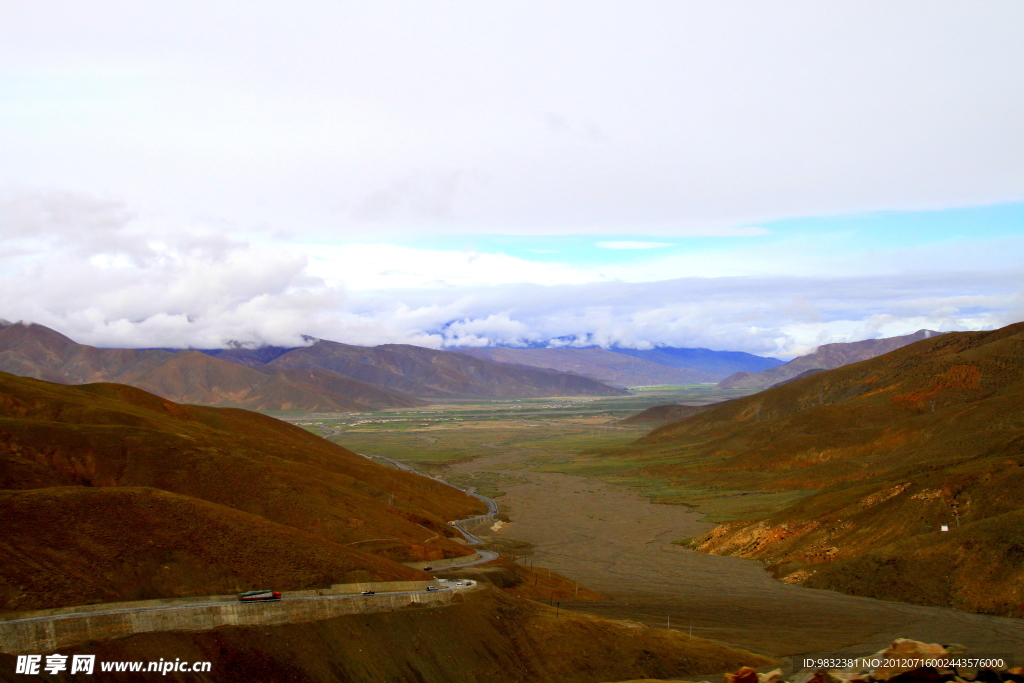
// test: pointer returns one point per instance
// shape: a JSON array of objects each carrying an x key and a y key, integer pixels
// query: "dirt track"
[{"x": 616, "y": 542}]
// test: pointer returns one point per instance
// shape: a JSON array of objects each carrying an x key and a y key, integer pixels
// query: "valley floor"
[
  {"x": 612, "y": 540},
  {"x": 601, "y": 531}
]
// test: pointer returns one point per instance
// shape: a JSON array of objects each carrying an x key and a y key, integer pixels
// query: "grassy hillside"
[
  {"x": 874, "y": 457},
  {"x": 667, "y": 413},
  {"x": 252, "y": 469}
]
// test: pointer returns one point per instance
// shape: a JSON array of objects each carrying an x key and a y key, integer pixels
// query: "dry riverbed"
[{"x": 612, "y": 540}]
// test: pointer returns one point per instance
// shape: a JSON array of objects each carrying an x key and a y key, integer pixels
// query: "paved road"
[
  {"x": 485, "y": 556},
  {"x": 218, "y": 603},
  {"x": 492, "y": 508}
]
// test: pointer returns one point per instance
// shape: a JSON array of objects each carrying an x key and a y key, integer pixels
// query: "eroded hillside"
[{"x": 888, "y": 451}]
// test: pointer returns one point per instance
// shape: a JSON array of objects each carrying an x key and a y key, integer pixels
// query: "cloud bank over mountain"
[{"x": 97, "y": 273}]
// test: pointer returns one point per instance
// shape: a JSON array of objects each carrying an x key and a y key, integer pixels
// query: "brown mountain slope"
[
  {"x": 74, "y": 545},
  {"x": 440, "y": 374},
  {"x": 185, "y": 376},
  {"x": 195, "y": 377},
  {"x": 37, "y": 351},
  {"x": 669, "y": 413},
  {"x": 110, "y": 435},
  {"x": 895, "y": 447},
  {"x": 826, "y": 357},
  {"x": 599, "y": 364},
  {"x": 252, "y": 357}
]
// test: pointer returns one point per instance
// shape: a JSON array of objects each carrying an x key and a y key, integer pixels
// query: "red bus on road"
[{"x": 259, "y": 596}]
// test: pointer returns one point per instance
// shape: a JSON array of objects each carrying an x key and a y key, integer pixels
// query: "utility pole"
[{"x": 668, "y": 622}]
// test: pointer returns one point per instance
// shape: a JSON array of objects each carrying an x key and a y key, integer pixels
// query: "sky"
[{"x": 761, "y": 177}]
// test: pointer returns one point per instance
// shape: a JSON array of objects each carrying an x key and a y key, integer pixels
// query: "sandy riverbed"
[{"x": 610, "y": 539}]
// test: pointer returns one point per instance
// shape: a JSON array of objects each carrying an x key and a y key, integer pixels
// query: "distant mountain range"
[
  {"x": 826, "y": 357},
  {"x": 718, "y": 364},
  {"x": 185, "y": 376},
  {"x": 326, "y": 376},
  {"x": 421, "y": 372},
  {"x": 596, "y": 363},
  {"x": 632, "y": 367}
]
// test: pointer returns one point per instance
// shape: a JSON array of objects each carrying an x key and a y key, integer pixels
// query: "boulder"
[
  {"x": 744, "y": 675},
  {"x": 906, "y": 649}
]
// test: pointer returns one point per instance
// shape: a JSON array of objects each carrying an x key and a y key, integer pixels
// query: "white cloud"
[
  {"x": 332, "y": 119},
  {"x": 634, "y": 245},
  {"x": 768, "y": 315},
  {"x": 390, "y": 266},
  {"x": 90, "y": 270},
  {"x": 103, "y": 275}
]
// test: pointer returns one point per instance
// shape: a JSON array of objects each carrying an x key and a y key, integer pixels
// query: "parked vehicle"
[{"x": 259, "y": 596}]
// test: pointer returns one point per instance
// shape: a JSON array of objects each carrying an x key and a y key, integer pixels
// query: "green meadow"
[{"x": 573, "y": 435}]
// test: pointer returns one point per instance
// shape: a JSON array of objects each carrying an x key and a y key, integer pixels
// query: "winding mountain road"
[{"x": 492, "y": 509}]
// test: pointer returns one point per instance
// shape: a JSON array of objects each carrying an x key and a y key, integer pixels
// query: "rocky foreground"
[{"x": 905, "y": 661}]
